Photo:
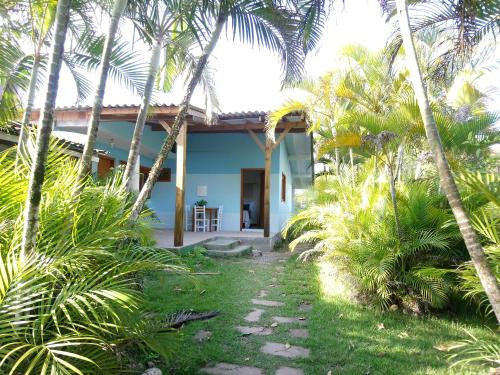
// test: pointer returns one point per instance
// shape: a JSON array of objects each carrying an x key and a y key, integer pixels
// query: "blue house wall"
[{"x": 213, "y": 160}]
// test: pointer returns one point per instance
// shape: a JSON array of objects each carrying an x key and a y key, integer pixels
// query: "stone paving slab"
[
  {"x": 202, "y": 335},
  {"x": 230, "y": 369},
  {"x": 284, "y": 350},
  {"x": 265, "y": 302},
  {"x": 283, "y": 370},
  {"x": 300, "y": 333},
  {"x": 262, "y": 331},
  {"x": 305, "y": 307},
  {"x": 288, "y": 320},
  {"x": 263, "y": 293},
  {"x": 254, "y": 316}
]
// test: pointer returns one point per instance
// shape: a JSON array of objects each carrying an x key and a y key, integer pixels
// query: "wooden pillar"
[
  {"x": 267, "y": 186},
  {"x": 180, "y": 181}
]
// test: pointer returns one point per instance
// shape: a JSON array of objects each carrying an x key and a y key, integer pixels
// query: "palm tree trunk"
[
  {"x": 418, "y": 165},
  {"x": 394, "y": 199},
  {"x": 135, "y": 146},
  {"x": 93, "y": 125},
  {"x": 45, "y": 129},
  {"x": 337, "y": 161},
  {"x": 179, "y": 120},
  {"x": 351, "y": 161},
  {"x": 399, "y": 162},
  {"x": 448, "y": 185},
  {"x": 23, "y": 136}
]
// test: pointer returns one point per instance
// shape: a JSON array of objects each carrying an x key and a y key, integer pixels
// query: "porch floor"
[{"x": 165, "y": 237}]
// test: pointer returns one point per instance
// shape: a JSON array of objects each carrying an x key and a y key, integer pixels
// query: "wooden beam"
[
  {"x": 166, "y": 126},
  {"x": 282, "y": 135},
  {"x": 256, "y": 127},
  {"x": 180, "y": 181},
  {"x": 267, "y": 186},
  {"x": 257, "y": 140}
]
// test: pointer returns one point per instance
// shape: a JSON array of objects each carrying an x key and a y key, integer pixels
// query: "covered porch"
[
  {"x": 209, "y": 158},
  {"x": 165, "y": 237}
]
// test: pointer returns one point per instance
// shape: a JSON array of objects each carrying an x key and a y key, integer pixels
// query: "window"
[
  {"x": 165, "y": 175},
  {"x": 143, "y": 176},
  {"x": 283, "y": 187}
]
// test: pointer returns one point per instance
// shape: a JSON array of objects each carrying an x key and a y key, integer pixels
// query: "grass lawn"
[{"x": 344, "y": 337}]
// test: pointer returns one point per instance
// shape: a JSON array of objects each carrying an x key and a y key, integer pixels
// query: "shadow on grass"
[
  {"x": 348, "y": 338},
  {"x": 344, "y": 337}
]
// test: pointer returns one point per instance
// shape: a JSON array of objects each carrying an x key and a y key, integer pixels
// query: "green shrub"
[
  {"x": 472, "y": 350},
  {"x": 481, "y": 194},
  {"x": 73, "y": 303},
  {"x": 353, "y": 225}
]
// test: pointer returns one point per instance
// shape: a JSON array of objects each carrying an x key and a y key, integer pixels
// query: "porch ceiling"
[{"x": 239, "y": 122}]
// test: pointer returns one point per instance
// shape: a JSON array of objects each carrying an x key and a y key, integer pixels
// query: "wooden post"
[
  {"x": 268, "y": 152},
  {"x": 180, "y": 181},
  {"x": 267, "y": 186}
]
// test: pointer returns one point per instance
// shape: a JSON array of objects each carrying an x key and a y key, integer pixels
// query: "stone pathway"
[
  {"x": 285, "y": 351},
  {"x": 264, "y": 302},
  {"x": 229, "y": 369},
  {"x": 254, "y": 316}
]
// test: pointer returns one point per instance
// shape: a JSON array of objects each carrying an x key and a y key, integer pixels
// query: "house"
[
  {"x": 227, "y": 164},
  {"x": 9, "y": 137}
]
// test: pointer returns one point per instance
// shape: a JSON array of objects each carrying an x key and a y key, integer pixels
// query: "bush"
[
  {"x": 72, "y": 304},
  {"x": 480, "y": 192},
  {"x": 350, "y": 220}
]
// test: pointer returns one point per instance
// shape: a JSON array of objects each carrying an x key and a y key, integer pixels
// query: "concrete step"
[
  {"x": 234, "y": 252},
  {"x": 221, "y": 244}
]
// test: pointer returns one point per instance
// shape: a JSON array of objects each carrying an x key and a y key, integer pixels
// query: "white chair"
[
  {"x": 217, "y": 222},
  {"x": 188, "y": 217},
  {"x": 200, "y": 219}
]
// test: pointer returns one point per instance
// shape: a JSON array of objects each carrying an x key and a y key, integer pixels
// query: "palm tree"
[
  {"x": 253, "y": 21},
  {"x": 163, "y": 25},
  {"x": 448, "y": 184},
  {"x": 10, "y": 84},
  {"x": 24, "y": 66},
  {"x": 72, "y": 304},
  {"x": 37, "y": 175},
  {"x": 41, "y": 18},
  {"x": 86, "y": 160},
  {"x": 465, "y": 25}
]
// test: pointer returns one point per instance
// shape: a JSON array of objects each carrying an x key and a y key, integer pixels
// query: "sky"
[{"x": 249, "y": 79}]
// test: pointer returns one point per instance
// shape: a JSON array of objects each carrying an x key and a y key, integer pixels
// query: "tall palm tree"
[
  {"x": 448, "y": 184},
  {"x": 93, "y": 125},
  {"x": 264, "y": 23},
  {"x": 466, "y": 24},
  {"x": 163, "y": 25},
  {"x": 41, "y": 16},
  {"x": 37, "y": 174},
  {"x": 26, "y": 65},
  {"x": 10, "y": 84}
]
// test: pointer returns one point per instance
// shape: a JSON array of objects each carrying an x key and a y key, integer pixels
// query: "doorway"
[{"x": 252, "y": 199}]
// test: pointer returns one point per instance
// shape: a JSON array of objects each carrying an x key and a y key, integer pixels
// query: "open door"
[{"x": 252, "y": 199}]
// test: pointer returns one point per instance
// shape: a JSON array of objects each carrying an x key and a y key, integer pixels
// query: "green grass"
[{"x": 344, "y": 336}]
